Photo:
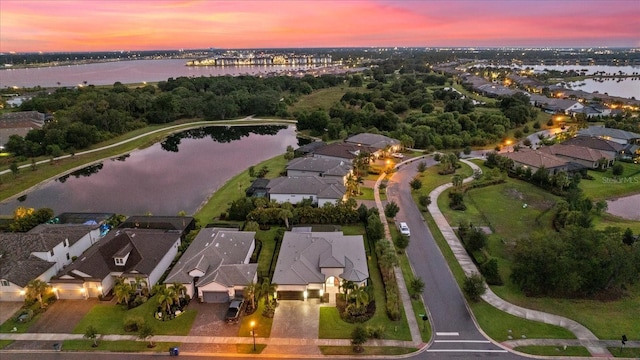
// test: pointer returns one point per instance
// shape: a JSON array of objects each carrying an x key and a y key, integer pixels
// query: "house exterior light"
[{"x": 305, "y": 294}]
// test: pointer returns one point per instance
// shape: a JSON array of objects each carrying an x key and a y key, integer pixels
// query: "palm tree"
[
  {"x": 180, "y": 289},
  {"x": 37, "y": 288},
  {"x": 166, "y": 297},
  {"x": 123, "y": 291},
  {"x": 267, "y": 289},
  {"x": 250, "y": 292},
  {"x": 361, "y": 296},
  {"x": 347, "y": 286}
]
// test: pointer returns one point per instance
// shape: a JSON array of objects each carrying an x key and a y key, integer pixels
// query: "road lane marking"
[
  {"x": 447, "y": 334},
  {"x": 463, "y": 341}
]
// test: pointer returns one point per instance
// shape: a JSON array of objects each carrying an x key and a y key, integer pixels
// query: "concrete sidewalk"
[{"x": 587, "y": 338}]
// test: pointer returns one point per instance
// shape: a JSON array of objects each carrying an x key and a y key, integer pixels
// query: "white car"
[
  {"x": 404, "y": 229},
  {"x": 397, "y": 155}
]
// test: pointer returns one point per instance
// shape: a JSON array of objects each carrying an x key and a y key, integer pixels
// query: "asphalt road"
[{"x": 455, "y": 331}]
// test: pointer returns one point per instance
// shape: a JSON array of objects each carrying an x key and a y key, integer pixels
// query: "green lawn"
[
  {"x": 262, "y": 324},
  {"x": 117, "y": 346},
  {"x": 322, "y": 99},
  {"x": 333, "y": 327},
  {"x": 630, "y": 353},
  {"x": 554, "y": 350},
  {"x": 365, "y": 194},
  {"x": 235, "y": 189},
  {"x": 497, "y": 324},
  {"x": 416, "y": 304},
  {"x": 368, "y": 350},
  {"x": 109, "y": 319},
  {"x": 605, "y": 186},
  {"x": 268, "y": 248},
  {"x": 4, "y": 343}
]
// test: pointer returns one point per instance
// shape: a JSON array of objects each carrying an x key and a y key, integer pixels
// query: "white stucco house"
[
  {"x": 313, "y": 263},
  {"x": 130, "y": 253},
  {"x": 294, "y": 189},
  {"x": 40, "y": 254},
  {"x": 215, "y": 267}
]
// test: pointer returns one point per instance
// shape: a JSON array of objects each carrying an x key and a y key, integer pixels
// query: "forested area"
[{"x": 88, "y": 115}]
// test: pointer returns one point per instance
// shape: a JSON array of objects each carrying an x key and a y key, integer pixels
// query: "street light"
[{"x": 253, "y": 333}]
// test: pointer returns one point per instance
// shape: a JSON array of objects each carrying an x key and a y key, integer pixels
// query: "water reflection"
[
  {"x": 221, "y": 134},
  {"x": 153, "y": 180}
]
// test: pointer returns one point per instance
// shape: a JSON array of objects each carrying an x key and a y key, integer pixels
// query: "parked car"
[
  {"x": 397, "y": 155},
  {"x": 233, "y": 312},
  {"x": 404, "y": 229}
]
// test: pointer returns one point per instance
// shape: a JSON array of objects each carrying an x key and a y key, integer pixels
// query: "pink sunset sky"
[{"x": 97, "y": 25}]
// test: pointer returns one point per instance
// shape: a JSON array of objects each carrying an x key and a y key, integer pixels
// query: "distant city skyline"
[{"x": 96, "y": 25}]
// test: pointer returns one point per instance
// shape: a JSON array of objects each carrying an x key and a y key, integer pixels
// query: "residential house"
[
  {"x": 377, "y": 141},
  {"x": 215, "y": 267},
  {"x": 555, "y": 105},
  {"x": 313, "y": 263},
  {"x": 309, "y": 148},
  {"x": 19, "y": 123},
  {"x": 534, "y": 160},
  {"x": 258, "y": 188},
  {"x": 345, "y": 151},
  {"x": 589, "y": 158},
  {"x": 130, "y": 253},
  {"x": 328, "y": 169},
  {"x": 297, "y": 188},
  {"x": 596, "y": 143},
  {"x": 615, "y": 135},
  {"x": 40, "y": 254}
]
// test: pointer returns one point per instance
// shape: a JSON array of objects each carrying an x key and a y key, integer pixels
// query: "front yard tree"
[
  {"x": 422, "y": 166},
  {"x": 359, "y": 336},
  {"x": 416, "y": 287},
  {"x": 250, "y": 293},
  {"x": 167, "y": 296},
  {"x": 147, "y": 332},
  {"x": 91, "y": 333},
  {"x": 474, "y": 287},
  {"x": 36, "y": 289},
  {"x": 401, "y": 242},
  {"x": 391, "y": 209},
  {"x": 123, "y": 292},
  {"x": 415, "y": 183}
]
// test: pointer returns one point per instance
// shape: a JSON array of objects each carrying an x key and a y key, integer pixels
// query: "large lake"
[
  {"x": 166, "y": 178},
  {"x": 126, "y": 72}
]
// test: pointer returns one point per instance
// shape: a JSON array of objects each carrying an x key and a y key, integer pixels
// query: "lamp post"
[{"x": 253, "y": 333}]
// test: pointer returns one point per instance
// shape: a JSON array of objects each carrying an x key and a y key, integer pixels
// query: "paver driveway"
[{"x": 296, "y": 319}]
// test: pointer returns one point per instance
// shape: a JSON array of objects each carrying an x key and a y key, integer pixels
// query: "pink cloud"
[{"x": 129, "y": 25}]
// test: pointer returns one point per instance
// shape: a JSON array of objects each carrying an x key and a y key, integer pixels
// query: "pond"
[
  {"x": 627, "y": 207},
  {"x": 178, "y": 174}
]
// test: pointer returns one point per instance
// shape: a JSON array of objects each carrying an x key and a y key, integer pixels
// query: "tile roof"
[
  {"x": 535, "y": 159},
  {"x": 320, "y": 165},
  {"x": 374, "y": 140},
  {"x": 594, "y": 143},
  {"x": 577, "y": 152},
  {"x": 146, "y": 247},
  {"x": 302, "y": 254},
  {"x": 307, "y": 185},
  {"x": 220, "y": 254}
]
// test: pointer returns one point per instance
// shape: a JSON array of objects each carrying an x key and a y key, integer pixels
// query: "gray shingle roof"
[
  {"x": 18, "y": 266},
  {"x": 303, "y": 254},
  {"x": 577, "y": 152},
  {"x": 146, "y": 247},
  {"x": 601, "y": 131},
  {"x": 220, "y": 254},
  {"x": 320, "y": 165},
  {"x": 374, "y": 140},
  {"x": 307, "y": 185},
  {"x": 594, "y": 143},
  {"x": 343, "y": 150}
]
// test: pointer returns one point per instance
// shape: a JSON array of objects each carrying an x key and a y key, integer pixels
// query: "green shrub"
[{"x": 133, "y": 323}]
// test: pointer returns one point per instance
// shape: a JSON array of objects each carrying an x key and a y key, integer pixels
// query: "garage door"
[
  {"x": 215, "y": 296},
  {"x": 290, "y": 295},
  {"x": 71, "y": 294}
]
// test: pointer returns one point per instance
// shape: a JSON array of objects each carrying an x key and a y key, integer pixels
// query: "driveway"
[
  {"x": 210, "y": 322},
  {"x": 61, "y": 317},
  {"x": 9, "y": 308},
  {"x": 296, "y": 319}
]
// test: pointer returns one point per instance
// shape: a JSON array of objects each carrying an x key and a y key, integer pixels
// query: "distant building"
[{"x": 19, "y": 123}]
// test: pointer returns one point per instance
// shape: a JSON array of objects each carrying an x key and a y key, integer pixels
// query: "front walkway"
[{"x": 586, "y": 337}]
